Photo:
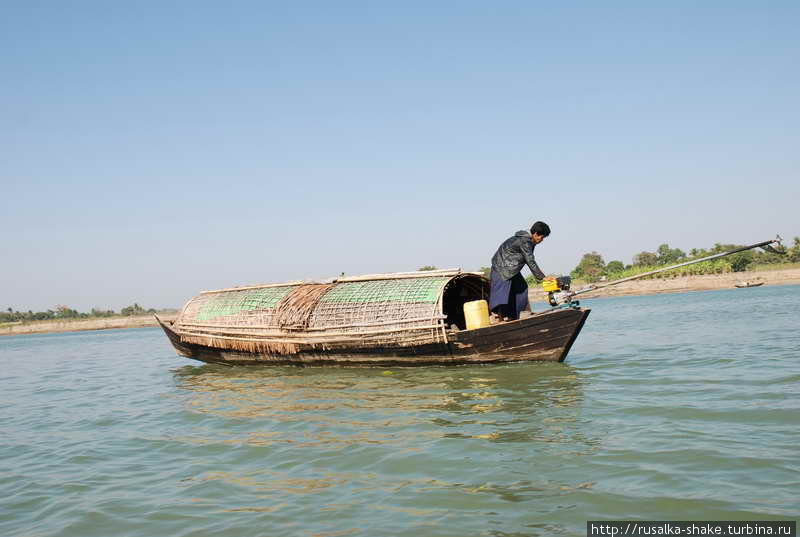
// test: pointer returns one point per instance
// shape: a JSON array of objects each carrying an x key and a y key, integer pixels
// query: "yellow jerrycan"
[{"x": 476, "y": 314}]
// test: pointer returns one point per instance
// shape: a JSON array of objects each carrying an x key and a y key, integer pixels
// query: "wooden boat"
[
  {"x": 744, "y": 285},
  {"x": 399, "y": 319}
]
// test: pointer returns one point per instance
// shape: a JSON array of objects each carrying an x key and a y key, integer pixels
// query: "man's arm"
[{"x": 527, "y": 251}]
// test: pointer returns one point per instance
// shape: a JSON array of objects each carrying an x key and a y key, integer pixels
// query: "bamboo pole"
[
  {"x": 358, "y": 325},
  {"x": 401, "y": 275},
  {"x": 364, "y": 278},
  {"x": 338, "y": 341},
  {"x": 251, "y": 287},
  {"x": 300, "y": 337}
]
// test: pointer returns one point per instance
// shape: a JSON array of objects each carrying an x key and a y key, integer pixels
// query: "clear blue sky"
[{"x": 151, "y": 150}]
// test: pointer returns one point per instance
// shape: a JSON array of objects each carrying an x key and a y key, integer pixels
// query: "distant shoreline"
[
  {"x": 682, "y": 284},
  {"x": 81, "y": 325}
]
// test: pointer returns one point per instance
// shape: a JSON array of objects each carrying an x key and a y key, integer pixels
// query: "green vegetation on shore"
[
  {"x": 593, "y": 268},
  {"x": 63, "y": 313}
]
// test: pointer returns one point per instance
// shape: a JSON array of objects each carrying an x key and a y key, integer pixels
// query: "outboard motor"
[{"x": 558, "y": 290}]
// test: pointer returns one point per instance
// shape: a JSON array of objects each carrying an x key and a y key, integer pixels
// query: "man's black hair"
[{"x": 541, "y": 228}]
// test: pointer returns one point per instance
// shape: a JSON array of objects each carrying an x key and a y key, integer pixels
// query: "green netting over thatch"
[
  {"x": 352, "y": 305},
  {"x": 411, "y": 290},
  {"x": 235, "y": 302}
]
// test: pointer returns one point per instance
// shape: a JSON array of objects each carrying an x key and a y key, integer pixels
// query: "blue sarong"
[{"x": 508, "y": 298}]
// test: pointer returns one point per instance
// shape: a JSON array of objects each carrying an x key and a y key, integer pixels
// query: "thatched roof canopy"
[{"x": 378, "y": 309}]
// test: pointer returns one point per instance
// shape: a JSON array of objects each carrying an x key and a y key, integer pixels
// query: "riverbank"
[
  {"x": 683, "y": 284},
  {"x": 636, "y": 287},
  {"x": 79, "y": 325}
]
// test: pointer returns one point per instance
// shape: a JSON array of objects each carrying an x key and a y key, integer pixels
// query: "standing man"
[{"x": 509, "y": 293}]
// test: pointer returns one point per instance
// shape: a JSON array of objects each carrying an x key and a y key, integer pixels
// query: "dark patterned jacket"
[{"x": 513, "y": 254}]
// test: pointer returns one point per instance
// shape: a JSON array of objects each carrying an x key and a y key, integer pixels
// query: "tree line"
[
  {"x": 62, "y": 312},
  {"x": 592, "y": 267}
]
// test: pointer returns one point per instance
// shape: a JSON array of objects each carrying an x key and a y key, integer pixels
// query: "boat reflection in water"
[
  {"x": 352, "y": 405},
  {"x": 324, "y": 431}
]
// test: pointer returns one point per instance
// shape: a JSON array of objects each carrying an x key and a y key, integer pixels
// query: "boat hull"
[{"x": 546, "y": 336}]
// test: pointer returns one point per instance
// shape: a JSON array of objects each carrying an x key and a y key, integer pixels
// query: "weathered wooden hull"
[{"x": 546, "y": 336}]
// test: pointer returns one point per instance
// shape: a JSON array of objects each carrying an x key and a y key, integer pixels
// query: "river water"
[{"x": 670, "y": 407}]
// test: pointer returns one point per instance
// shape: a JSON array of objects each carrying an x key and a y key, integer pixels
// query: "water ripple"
[{"x": 671, "y": 407}]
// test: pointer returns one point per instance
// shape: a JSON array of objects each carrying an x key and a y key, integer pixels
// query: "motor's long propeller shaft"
[{"x": 708, "y": 258}]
